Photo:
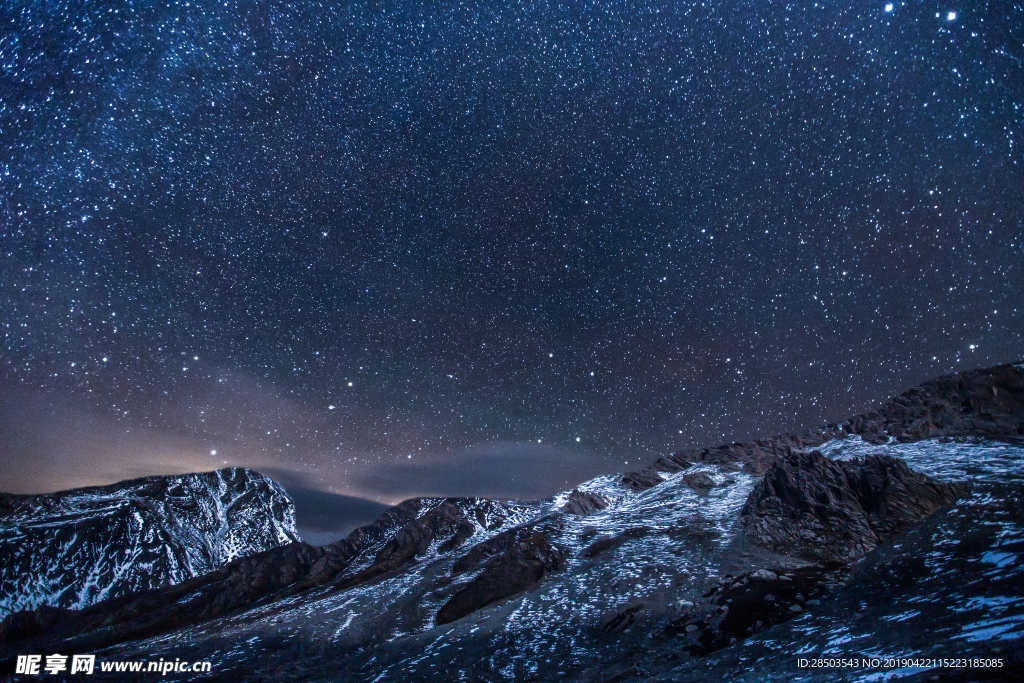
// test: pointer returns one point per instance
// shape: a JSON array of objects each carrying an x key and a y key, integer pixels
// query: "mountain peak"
[{"x": 73, "y": 548}]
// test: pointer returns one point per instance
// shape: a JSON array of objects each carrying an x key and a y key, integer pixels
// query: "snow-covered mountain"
[
  {"x": 895, "y": 536},
  {"x": 75, "y": 548},
  {"x": 687, "y": 580}
]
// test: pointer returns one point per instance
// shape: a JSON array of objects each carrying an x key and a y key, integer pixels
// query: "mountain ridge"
[
  {"x": 447, "y": 563},
  {"x": 984, "y": 403},
  {"x": 80, "y": 546}
]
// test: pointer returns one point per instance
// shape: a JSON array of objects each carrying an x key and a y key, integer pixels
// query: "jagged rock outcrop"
[
  {"x": 448, "y": 524},
  {"x": 698, "y": 481},
  {"x": 73, "y": 548},
  {"x": 754, "y": 457},
  {"x": 836, "y": 511},
  {"x": 584, "y": 502},
  {"x": 642, "y": 480},
  {"x": 985, "y": 403}
]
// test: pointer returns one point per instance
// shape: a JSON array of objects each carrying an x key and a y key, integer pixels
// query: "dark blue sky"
[{"x": 577, "y": 233}]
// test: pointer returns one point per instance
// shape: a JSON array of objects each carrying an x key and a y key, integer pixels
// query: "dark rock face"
[
  {"x": 155, "y": 611},
  {"x": 744, "y": 605},
  {"x": 754, "y": 457},
  {"x": 642, "y": 479},
  {"x": 584, "y": 502},
  {"x": 671, "y": 463},
  {"x": 447, "y": 521},
  {"x": 829, "y": 511},
  {"x": 621, "y": 620},
  {"x": 699, "y": 481},
  {"x": 982, "y": 403},
  {"x": 605, "y": 543},
  {"x": 73, "y": 548},
  {"x": 510, "y": 563}
]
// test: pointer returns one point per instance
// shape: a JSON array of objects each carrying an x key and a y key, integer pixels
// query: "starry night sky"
[{"x": 386, "y": 249}]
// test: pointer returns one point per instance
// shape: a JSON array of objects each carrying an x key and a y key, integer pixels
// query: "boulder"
[
  {"x": 584, "y": 502},
  {"x": 836, "y": 511},
  {"x": 698, "y": 481},
  {"x": 642, "y": 479},
  {"x": 605, "y": 543}
]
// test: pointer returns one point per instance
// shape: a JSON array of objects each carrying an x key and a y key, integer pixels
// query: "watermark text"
[{"x": 51, "y": 665}]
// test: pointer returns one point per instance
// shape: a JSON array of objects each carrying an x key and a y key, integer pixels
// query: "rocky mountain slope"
[
  {"x": 75, "y": 548},
  {"x": 724, "y": 563},
  {"x": 987, "y": 403}
]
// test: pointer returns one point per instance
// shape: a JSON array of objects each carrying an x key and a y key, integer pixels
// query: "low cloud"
[
  {"x": 499, "y": 469},
  {"x": 321, "y": 516}
]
